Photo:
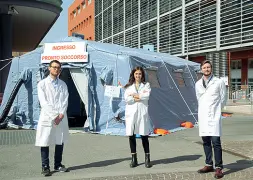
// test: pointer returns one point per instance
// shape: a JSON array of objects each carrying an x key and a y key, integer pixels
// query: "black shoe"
[
  {"x": 46, "y": 171},
  {"x": 61, "y": 168},
  {"x": 134, "y": 161},
  {"x": 147, "y": 161}
]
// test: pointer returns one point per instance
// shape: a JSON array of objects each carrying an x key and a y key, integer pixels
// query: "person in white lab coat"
[
  {"x": 52, "y": 126},
  {"x": 210, "y": 92},
  {"x": 136, "y": 95}
]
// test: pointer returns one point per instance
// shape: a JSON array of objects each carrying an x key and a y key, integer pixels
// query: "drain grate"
[{"x": 16, "y": 137}]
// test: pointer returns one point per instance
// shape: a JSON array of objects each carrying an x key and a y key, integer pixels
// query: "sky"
[{"x": 60, "y": 28}]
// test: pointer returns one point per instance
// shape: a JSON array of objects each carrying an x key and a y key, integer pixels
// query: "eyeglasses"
[{"x": 56, "y": 67}]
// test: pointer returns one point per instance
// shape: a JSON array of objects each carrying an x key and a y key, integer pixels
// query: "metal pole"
[
  {"x": 183, "y": 27},
  {"x": 229, "y": 72},
  {"x": 218, "y": 24},
  {"x": 187, "y": 57},
  {"x": 158, "y": 27},
  {"x": 250, "y": 95}
]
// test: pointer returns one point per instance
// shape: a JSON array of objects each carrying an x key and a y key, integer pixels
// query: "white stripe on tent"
[{"x": 190, "y": 73}]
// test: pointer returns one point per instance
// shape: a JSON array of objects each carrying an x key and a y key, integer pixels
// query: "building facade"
[
  {"x": 81, "y": 18},
  {"x": 23, "y": 25},
  {"x": 218, "y": 30}
]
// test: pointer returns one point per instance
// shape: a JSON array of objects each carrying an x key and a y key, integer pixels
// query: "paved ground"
[
  {"x": 90, "y": 156},
  {"x": 240, "y": 109}
]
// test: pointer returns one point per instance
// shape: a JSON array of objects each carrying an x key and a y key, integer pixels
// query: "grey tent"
[{"x": 172, "y": 80}]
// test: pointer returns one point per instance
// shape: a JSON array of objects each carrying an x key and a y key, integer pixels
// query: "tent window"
[
  {"x": 152, "y": 78},
  {"x": 199, "y": 75},
  {"x": 179, "y": 79}
]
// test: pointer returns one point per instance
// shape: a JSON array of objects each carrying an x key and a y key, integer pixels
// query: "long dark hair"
[{"x": 132, "y": 79}]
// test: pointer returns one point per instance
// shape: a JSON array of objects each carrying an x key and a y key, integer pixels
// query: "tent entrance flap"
[
  {"x": 76, "y": 108},
  {"x": 80, "y": 80}
]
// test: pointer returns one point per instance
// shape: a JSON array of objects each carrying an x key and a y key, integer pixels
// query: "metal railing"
[
  {"x": 240, "y": 99},
  {"x": 241, "y": 94}
]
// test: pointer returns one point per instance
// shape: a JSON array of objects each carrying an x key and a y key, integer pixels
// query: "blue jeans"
[
  {"x": 57, "y": 156},
  {"x": 207, "y": 144}
]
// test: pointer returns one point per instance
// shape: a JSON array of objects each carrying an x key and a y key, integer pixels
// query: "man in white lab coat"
[
  {"x": 52, "y": 126},
  {"x": 210, "y": 92}
]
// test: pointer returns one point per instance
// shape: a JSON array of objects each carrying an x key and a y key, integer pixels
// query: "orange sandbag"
[
  {"x": 224, "y": 114},
  {"x": 161, "y": 131},
  {"x": 188, "y": 125},
  {"x": 182, "y": 124}
]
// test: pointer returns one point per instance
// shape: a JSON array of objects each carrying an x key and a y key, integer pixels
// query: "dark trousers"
[
  {"x": 145, "y": 143},
  {"x": 207, "y": 144},
  {"x": 57, "y": 156}
]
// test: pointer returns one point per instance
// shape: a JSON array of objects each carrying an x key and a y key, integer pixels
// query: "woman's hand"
[
  {"x": 132, "y": 94},
  {"x": 136, "y": 96},
  {"x": 136, "y": 99}
]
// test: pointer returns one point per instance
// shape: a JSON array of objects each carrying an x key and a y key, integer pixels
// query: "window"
[
  {"x": 250, "y": 63},
  {"x": 199, "y": 75},
  {"x": 152, "y": 77},
  {"x": 89, "y": 20},
  {"x": 74, "y": 13},
  {"x": 236, "y": 64},
  {"x": 236, "y": 84},
  {"x": 78, "y": 9},
  {"x": 179, "y": 78},
  {"x": 84, "y": 4},
  {"x": 250, "y": 81}
]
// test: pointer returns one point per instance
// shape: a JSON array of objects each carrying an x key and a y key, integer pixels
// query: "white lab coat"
[
  {"x": 53, "y": 102},
  {"x": 136, "y": 113},
  {"x": 210, "y": 102}
]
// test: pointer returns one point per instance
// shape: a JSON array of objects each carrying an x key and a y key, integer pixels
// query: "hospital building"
[{"x": 217, "y": 30}]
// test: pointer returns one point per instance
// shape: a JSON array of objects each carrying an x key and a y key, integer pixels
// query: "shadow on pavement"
[
  {"x": 99, "y": 164},
  {"x": 177, "y": 159},
  {"x": 238, "y": 166}
]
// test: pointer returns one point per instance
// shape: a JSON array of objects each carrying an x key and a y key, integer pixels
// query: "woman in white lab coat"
[
  {"x": 136, "y": 114},
  {"x": 52, "y": 126}
]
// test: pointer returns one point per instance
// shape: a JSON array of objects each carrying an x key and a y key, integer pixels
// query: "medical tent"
[{"x": 172, "y": 100}]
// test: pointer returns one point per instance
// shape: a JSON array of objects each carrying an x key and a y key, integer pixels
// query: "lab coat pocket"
[
  {"x": 128, "y": 114},
  {"x": 211, "y": 124},
  {"x": 46, "y": 121}
]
